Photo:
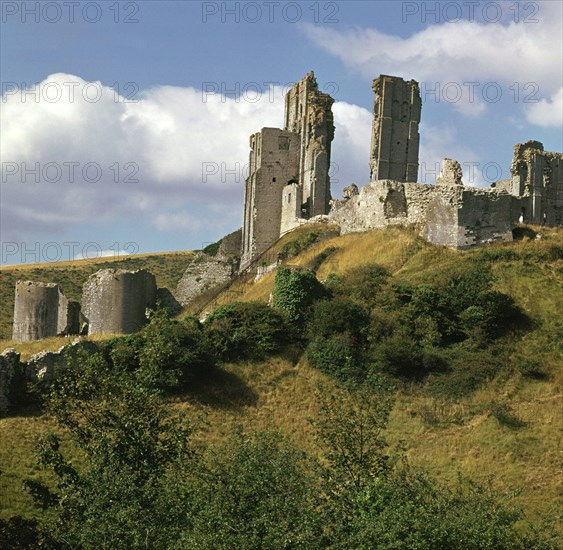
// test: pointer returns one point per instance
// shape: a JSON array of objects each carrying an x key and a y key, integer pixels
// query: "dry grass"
[{"x": 444, "y": 436}]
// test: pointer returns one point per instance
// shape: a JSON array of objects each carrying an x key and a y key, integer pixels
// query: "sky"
[{"x": 124, "y": 125}]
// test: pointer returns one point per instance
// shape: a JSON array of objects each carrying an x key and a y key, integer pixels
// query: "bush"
[
  {"x": 339, "y": 316},
  {"x": 364, "y": 283},
  {"x": 295, "y": 291},
  {"x": 468, "y": 370},
  {"x": 336, "y": 356},
  {"x": 399, "y": 355},
  {"x": 246, "y": 330},
  {"x": 173, "y": 351},
  {"x": 256, "y": 494}
]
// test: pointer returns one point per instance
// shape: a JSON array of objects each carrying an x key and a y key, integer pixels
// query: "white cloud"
[
  {"x": 459, "y": 53},
  {"x": 146, "y": 157},
  {"x": 175, "y": 159},
  {"x": 547, "y": 112}
]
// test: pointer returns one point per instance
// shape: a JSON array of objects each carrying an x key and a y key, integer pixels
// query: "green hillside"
[{"x": 493, "y": 414}]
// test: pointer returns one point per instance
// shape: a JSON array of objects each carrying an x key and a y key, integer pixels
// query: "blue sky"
[{"x": 125, "y": 124}]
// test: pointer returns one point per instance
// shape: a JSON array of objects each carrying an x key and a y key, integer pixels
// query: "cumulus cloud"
[
  {"x": 76, "y": 152},
  {"x": 547, "y": 112},
  {"x": 469, "y": 54}
]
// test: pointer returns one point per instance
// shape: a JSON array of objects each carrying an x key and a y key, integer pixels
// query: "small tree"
[
  {"x": 124, "y": 496},
  {"x": 295, "y": 291}
]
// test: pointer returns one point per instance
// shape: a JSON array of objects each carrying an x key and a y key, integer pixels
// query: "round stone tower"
[
  {"x": 36, "y": 311},
  {"x": 114, "y": 301}
]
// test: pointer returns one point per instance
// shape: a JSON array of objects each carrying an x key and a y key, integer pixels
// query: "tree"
[{"x": 134, "y": 448}]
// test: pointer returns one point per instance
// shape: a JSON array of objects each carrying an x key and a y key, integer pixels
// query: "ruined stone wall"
[
  {"x": 308, "y": 112},
  {"x": 448, "y": 214},
  {"x": 537, "y": 180},
  {"x": 114, "y": 301},
  {"x": 231, "y": 245},
  {"x": 274, "y": 162},
  {"x": 376, "y": 205},
  {"x": 41, "y": 310},
  {"x": 395, "y": 138},
  {"x": 203, "y": 274},
  {"x": 292, "y": 201}
]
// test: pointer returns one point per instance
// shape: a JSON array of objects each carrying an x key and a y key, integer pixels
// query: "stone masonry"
[
  {"x": 41, "y": 310},
  {"x": 394, "y": 137},
  {"x": 288, "y": 178},
  {"x": 114, "y": 301}
]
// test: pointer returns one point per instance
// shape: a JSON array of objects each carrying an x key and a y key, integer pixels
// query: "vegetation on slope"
[{"x": 477, "y": 392}]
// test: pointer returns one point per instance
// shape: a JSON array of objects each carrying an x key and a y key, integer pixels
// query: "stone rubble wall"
[{"x": 204, "y": 274}]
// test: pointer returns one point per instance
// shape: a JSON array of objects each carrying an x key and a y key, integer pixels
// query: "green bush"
[
  {"x": 295, "y": 291},
  {"x": 364, "y": 283},
  {"x": 339, "y": 316},
  {"x": 246, "y": 330},
  {"x": 256, "y": 493},
  {"x": 300, "y": 244},
  {"x": 172, "y": 351},
  {"x": 468, "y": 370},
  {"x": 336, "y": 356}
]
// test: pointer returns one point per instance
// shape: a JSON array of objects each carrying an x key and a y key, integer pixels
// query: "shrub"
[
  {"x": 300, "y": 244},
  {"x": 364, "y": 283},
  {"x": 246, "y": 330},
  {"x": 339, "y": 316},
  {"x": 295, "y": 291},
  {"x": 336, "y": 356}
]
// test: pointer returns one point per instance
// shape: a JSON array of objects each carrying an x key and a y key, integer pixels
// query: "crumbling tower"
[
  {"x": 41, "y": 310},
  {"x": 308, "y": 113},
  {"x": 114, "y": 301},
  {"x": 288, "y": 179},
  {"x": 537, "y": 178},
  {"x": 394, "y": 137}
]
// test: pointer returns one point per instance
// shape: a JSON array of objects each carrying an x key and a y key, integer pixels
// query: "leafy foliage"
[
  {"x": 255, "y": 493},
  {"x": 246, "y": 330},
  {"x": 295, "y": 291},
  {"x": 133, "y": 447}
]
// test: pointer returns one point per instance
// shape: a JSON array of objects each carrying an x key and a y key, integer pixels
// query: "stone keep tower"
[
  {"x": 308, "y": 113},
  {"x": 394, "y": 137},
  {"x": 537, "y": 178},
  {"x": 288, "y": 169}
]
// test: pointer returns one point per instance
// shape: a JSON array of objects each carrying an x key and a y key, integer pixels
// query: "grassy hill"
[{"x": 507, "y": 430}]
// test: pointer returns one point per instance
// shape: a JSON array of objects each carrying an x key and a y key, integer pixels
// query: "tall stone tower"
[
  {"x": 308, "y": 113},
  {"x": 394, "y": 136},
  {"x": 537, "y": 178},
  {"x": 288, "y": 177}
]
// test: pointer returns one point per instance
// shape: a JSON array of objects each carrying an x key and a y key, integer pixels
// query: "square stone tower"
[
  {"x": 288, "y": 179},
  {"x": 394, "y": 137},
  {"x": 537, "y": 179},
  {"x": 274, "y": 161},
  {"x": 308, "y": 113}
]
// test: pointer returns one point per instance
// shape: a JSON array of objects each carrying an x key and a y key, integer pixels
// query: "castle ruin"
[
  {"x": 41, "y": 310},
  {"x": 289, "y": 183},
  {"x": 288, "y": 179},
  {"x": 114, "y": 301}
]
